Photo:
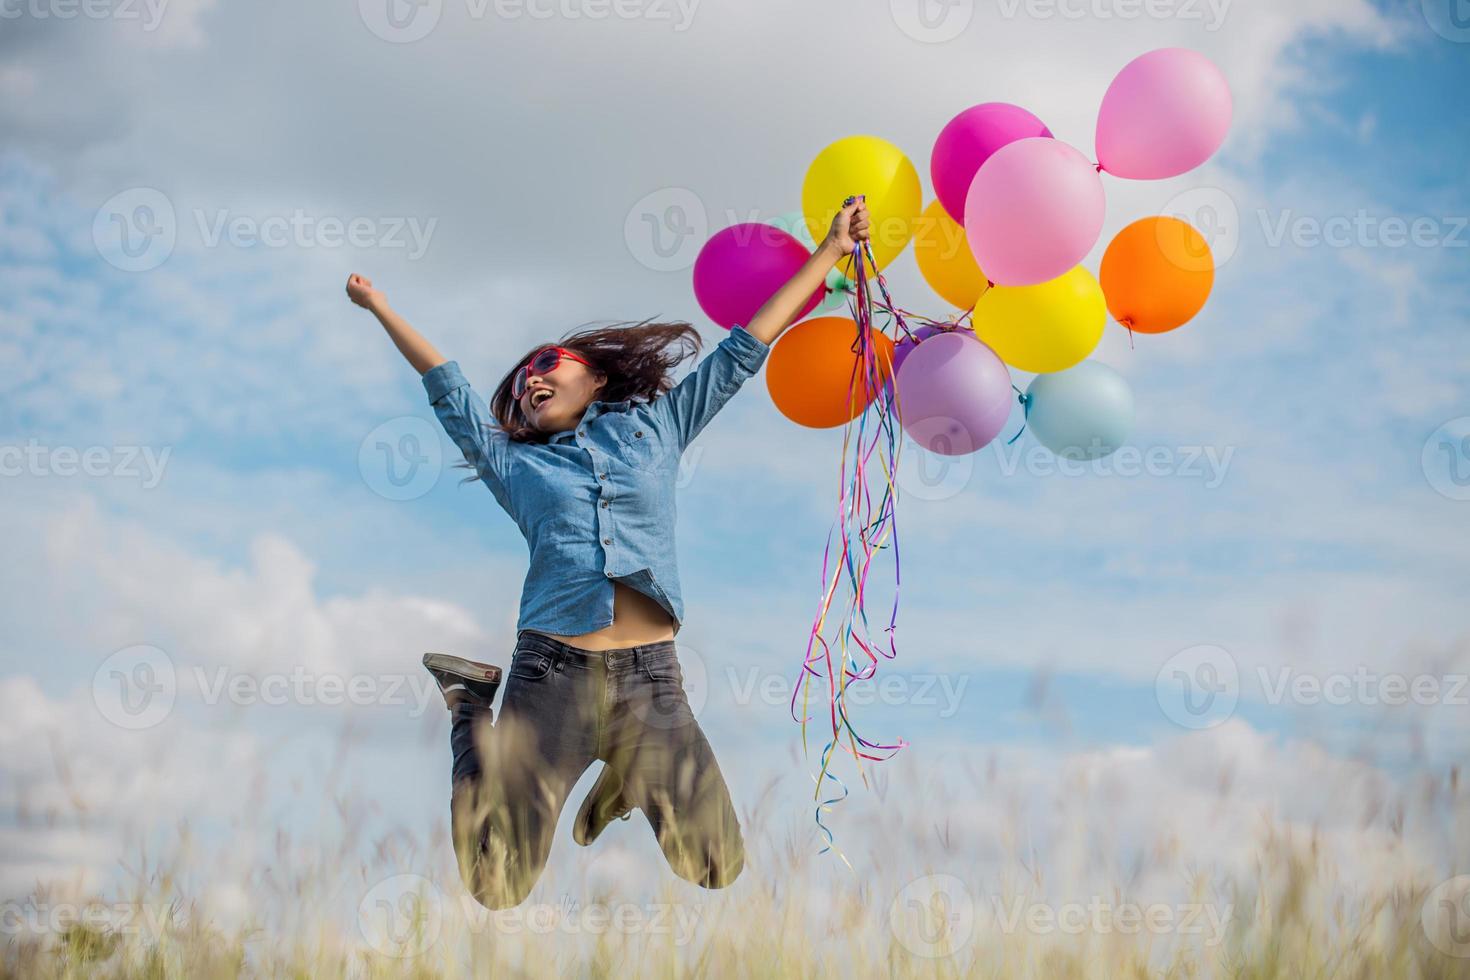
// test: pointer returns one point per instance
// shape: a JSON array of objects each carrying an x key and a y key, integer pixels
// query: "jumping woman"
[{"x": 580, "y": 444}]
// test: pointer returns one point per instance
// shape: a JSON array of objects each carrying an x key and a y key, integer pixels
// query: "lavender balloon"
[
  {"x": 954, "y": 394},
  {"x": 905, "y": 347}
]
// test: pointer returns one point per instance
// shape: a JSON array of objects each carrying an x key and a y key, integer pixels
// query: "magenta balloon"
[
  {"x": 1166, "y": 113},
  {"x": 954, "y": 394},
  {"x": 967, "y": 141},
  {"x": 742, "y": 266},
  {"x": 1034, "y": 211}
]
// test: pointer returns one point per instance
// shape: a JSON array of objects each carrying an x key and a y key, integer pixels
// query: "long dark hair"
[{"x": 636, "y": 358}]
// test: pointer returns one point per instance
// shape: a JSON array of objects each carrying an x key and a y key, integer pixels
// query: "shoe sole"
[{"x": 460, "y": 667}]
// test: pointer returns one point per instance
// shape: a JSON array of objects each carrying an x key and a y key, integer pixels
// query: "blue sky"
[{"x": 1321, "y": 371}]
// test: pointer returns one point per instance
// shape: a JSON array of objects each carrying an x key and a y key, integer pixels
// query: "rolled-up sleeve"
[
  {"x": 699, "y": 396},
  {"x": 467, "y": 420}
]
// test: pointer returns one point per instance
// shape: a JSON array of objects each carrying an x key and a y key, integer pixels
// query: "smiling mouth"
[{"x": 540, "y": 397}]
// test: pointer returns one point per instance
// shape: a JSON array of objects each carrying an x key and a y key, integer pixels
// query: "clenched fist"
[{"x": 360, "y": 290}]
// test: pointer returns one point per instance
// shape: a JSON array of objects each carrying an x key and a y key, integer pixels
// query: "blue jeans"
[{"x": 564, "y": 708}]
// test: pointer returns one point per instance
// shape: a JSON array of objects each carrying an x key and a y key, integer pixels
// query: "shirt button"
[
  {"x": 602, "y": 476},
  {"x": 604, "y": 503},
  {"x": 607, "y": 540},
  {"x": 609, "y": 574},
  {"x": 638, "y": 434}
]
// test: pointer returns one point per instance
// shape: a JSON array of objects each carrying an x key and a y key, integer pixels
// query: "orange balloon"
[
  {"x": 945, "y": 259},
  {"x": 1157, "y": 274},
  {"x": 814, "y": 376}
]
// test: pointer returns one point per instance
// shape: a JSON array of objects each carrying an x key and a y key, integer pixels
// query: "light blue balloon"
[{"x": 1084, "y": 412}]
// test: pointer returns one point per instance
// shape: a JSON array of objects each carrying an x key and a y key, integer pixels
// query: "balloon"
[
  {"x": 741, "y": 267},
  {"x": 1084, "y": 412},
  {"x": 954, "y": 394},
  {"x": 945, "y": 259},
  {"x": 905, "y": 346},
  {"x": 810, "y": 372},
  {"x": 1034, "y": 210},
  {"x": 967, "y": 141},
  {"x": 1166, "y": 113},
  {"x": 901, "y": 350},
  {"x": 873, "y": 167},
  {"x": 1047, "y": 327},
  {"x": 1157, "y": 274}
]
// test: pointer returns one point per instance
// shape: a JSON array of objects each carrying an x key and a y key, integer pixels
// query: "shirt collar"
[{"x": 593, "y": 410}]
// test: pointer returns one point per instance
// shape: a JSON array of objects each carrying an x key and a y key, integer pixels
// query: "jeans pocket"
[
  {"x": 529, "y": 665},
  {"x": 663, "y": 670}
]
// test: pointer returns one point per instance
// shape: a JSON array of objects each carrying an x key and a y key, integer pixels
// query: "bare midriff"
[{"x": 637, "y": 619}]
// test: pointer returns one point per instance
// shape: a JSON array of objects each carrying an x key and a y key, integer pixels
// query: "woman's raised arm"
[
  {"x": 419, "y": 352},
  {"x": 849, "y": 226}
]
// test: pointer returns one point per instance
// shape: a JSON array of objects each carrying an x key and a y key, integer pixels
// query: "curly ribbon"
[
  {"x": 1025, "y": 401},
  {"x": 863, "y": 530}
]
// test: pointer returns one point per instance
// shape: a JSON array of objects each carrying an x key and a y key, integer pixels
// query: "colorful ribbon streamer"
[{"x": 862, "y": 528}]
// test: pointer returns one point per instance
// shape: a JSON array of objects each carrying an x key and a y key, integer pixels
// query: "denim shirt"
[{"x": 595, "y": 503}]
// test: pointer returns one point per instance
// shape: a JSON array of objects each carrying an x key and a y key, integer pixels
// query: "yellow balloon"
[
  {"x": 1046, "y": 327},
  {"x": 945, "y": 259},
  {"x": 864, "y": 165}
]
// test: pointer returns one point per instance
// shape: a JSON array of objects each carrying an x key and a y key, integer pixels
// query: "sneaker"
[
  {"x": 463, "y": 680},
  {"x": 603, "y": 805}
]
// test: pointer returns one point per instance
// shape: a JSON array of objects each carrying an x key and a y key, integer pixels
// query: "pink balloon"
[
  {"x": 967, "y": 141},
  {"x": 1166, "y": 113},
  {"x": 954, "y": 394},
  {"x": 742, "y": 266},
  {"x": 1033, "y": 211}
]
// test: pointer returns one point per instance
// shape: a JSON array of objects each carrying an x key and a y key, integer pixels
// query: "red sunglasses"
[{"x": 544, "y": 362}]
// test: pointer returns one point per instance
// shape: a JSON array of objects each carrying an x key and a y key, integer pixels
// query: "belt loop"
[{"x": 560, "y": 659}]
